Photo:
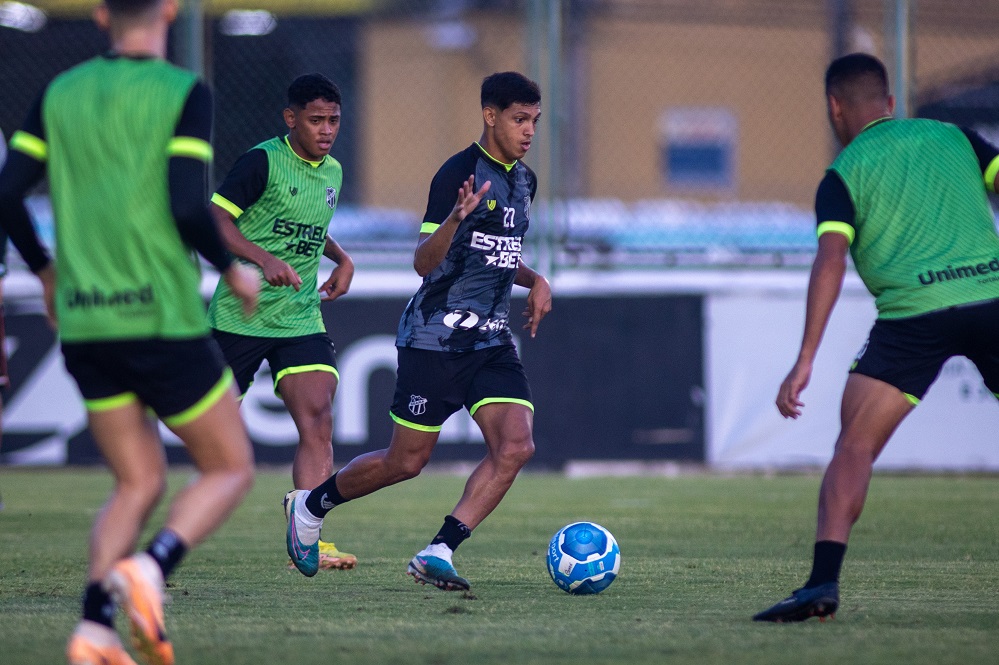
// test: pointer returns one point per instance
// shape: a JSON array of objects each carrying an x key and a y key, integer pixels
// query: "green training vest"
[
  {"x": 123, "y": 271},
  {"x": 925, "y": 234},
  {"x": 290, "y": 220}
]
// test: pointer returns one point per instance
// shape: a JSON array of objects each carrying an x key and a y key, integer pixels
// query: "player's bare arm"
[
  {"x": 824, "y": 285},
  {"x": 432, "y": 248},
  {"x": 341, "y": 277},
  {"x": 276, "y": 272},
  {"x": 48, "y": 279},
  {"x": 539, "y": 299},
  {"x": 244, "y": 284}
]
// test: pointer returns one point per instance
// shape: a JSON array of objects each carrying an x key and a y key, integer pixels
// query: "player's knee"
[
  {"x": 237, "y": 470},
  {"x": 244, "y": 479},
  {"x": 156, "y": 491},
  {"x": 238, "y": 479},
  {"x": 316, "y": 415},
  {"x": 856, "y": 448},
  {"x": 410, "y": 467},
  {"x": 517, "y": 452},
  {"x": 146, "y": 492},
  {"x": 317, "y": 437},
  {"x": 322, "y": 415},
  {"x": 403, "y": 466}
]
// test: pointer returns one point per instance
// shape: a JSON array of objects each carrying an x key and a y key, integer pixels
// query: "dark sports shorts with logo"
[
  {"x": 908, "y": 353},
  {"x": 285, "y": 355},
  {"x": 431, "y": 385},
  {"x": 178, "y": 379}
]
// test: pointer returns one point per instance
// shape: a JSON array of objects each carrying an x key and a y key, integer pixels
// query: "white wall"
[
  {"x": 752, "y": 340},
  {"x": 753, "y": 321}
]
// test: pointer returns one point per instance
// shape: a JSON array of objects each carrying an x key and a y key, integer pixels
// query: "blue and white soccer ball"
[{"x": 583, "y": 558}]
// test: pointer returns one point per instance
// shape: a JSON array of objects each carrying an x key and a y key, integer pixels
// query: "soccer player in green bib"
[
  {"x": 274, "y": 209},
  {"x": 907, "y": 199},
  {"x": 124, "y": 139}
]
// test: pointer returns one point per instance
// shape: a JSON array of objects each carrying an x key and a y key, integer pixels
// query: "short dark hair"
[
  {"x": 857, "y": 77},
  {"x": 310, "y": 87},
  {"x": 503, "y": 89},
  {"x": 130, "y": 7}
]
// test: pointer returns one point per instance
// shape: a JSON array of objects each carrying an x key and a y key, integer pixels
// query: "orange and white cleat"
[
  {"x": 136, "y": 584},
  {"x": 94, "y": 644}
]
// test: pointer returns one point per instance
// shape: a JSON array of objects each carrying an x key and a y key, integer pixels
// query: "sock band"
[
  {"x": 97, "y": 605},
  {"x": 453, "y": 533},
  {"x": 167, "y": 549},
  {"x": 325, "y": 497}
]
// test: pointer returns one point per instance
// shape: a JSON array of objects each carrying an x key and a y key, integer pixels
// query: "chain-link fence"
[{"x": 675, "y": 132}]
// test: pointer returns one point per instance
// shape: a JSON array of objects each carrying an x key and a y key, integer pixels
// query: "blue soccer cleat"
[
  {"x": 302, "y": 539},
  {"x": 439, "y": 571}
]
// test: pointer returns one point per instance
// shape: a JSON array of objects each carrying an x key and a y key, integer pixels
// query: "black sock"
[
  {"x": 324, "y": 498},
  {"x": 827, "y": 561},
  {"x": 168, "y": 549},
  {"x": 97, "y": 605},
  {"x": 453, "y": 533}
]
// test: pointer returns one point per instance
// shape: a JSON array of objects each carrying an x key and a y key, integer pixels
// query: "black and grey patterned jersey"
[{"x": 464, "y": 303}]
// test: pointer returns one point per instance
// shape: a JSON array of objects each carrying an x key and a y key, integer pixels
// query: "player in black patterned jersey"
[
  {"x": 455, "y": 345},
  {"x": 464, "y": 302}
]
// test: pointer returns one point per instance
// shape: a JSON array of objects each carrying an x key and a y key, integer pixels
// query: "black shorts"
[
  {"x": 285, "y": 355},
  {"x": 908, "y": 353},
  {"x": 178, "y": 379},
  {"x": 431, "y": 385}
]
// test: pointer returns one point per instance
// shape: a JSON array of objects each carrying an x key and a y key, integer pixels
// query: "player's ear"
[
  {"x": 289, "y": 118},
  {"x": 835, "y": 108},
  {"x": 891, "y": 104},
  {"x": 489, "y": 116},
  {"x": 102, "y": 17}
]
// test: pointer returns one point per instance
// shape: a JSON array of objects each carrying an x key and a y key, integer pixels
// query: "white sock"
[
  {"x": 308, "y": 525},
  {"x": 439, "y": 550}
]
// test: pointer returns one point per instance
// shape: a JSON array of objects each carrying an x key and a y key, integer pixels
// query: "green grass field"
[{"x": 701, "y": 554}]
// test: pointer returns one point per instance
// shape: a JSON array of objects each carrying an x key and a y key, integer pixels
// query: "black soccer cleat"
[{"x": 819, "y": 601}]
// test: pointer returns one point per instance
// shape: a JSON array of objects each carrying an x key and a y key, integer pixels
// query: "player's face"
[
  {"x": 513, "y": 130},
  {"x": 313, "y": 129}
]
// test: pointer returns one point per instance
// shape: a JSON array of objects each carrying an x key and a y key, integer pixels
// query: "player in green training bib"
[
  {"x": 907, "y": 198},
  {"x": 274, "y": 208},
  {"x": 124, "y": 140}
]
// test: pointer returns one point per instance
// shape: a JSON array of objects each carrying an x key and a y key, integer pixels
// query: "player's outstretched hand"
[
  {"x": 468, "y": 198},
  {"x": 788, "y": 402},
  {"x": 339, "y": 281},
  {"x": 244, "y": 284},
  {"x": 539, "y": 303},
  {"x": 280, "y": 273}
]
